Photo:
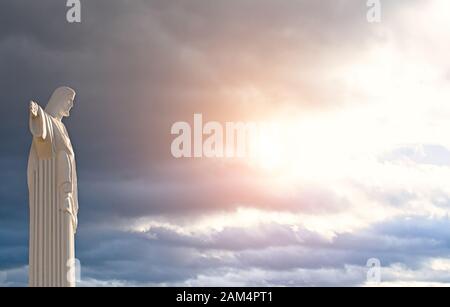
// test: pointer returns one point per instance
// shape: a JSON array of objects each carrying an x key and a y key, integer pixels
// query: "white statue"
[{"x": 52, "y": 185}]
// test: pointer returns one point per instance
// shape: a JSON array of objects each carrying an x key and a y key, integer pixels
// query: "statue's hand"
[{"x": 34, "y": 108}]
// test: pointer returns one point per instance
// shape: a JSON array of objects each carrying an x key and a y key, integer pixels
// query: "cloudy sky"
[{"x": 361, "y": 170}]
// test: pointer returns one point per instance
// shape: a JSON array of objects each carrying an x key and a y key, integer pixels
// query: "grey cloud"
[
  {"x": 236, "y": 238},
  {"x": 235, "y": 255},
  {"x": 429, "y": 154},
  {"x": 189, "y": 191},
  {"x": 283, "y": 250}
]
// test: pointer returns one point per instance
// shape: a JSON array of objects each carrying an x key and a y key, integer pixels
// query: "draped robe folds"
[{"x": 52, "y": 184}]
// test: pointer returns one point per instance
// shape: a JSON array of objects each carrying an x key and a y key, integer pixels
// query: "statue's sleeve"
[
  {"x": 41, "y": 128},
  {"x": 66, "y": 187},
  {"x": 39, "y": 124}
]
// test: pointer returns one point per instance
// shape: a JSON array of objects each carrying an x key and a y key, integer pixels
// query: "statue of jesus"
[{"x": 52, "y": 186}]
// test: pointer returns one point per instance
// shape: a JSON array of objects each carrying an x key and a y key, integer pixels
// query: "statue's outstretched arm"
[{"x": 37, "y": 121}]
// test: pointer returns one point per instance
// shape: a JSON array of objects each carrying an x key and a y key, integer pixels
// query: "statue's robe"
[{"x": 52, "y": 184}]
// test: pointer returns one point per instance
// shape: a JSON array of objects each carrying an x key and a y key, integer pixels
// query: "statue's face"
[{"x": 67, "y": 106}]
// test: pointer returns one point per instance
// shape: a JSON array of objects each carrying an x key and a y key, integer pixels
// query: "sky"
[{"x": 361, "y": 169}]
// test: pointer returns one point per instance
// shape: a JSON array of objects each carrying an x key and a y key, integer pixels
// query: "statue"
[{"x": 53, "y": 198}]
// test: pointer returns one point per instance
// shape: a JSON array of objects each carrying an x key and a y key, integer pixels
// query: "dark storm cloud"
[
  {"x": 186, "y": 190},
  {"x": 126, "y": 256},
  {"x": 139, "y": 67}
]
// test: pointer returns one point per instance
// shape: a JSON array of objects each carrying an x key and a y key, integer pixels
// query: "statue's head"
[{"x": 61, "y": 102}]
